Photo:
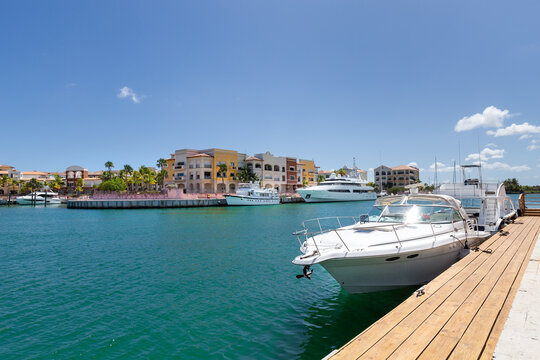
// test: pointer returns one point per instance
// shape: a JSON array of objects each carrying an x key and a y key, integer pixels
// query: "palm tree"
[
  {"x": 128, "y": 169},
  {"x": 320, "y": 179},
  {"x": 109, "y": 165},
  {"x": 341, "y": 172},
  {"x": 222, "y": 172},
  {"x": 136, "y": 179},
  {"x": 4, "y": 181},
  {"x": 57, "y": 183},
  {"x": 162, "y": 175},
  {"x": 79, "y": 185},
  {"x": 161, "y": 163}
]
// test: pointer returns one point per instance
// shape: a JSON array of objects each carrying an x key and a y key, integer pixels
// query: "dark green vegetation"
[
  {"x": 512, "y": 187},
  {"x": 127, "y": 179}
]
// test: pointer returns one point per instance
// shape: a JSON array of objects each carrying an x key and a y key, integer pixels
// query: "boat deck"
[{"x": 461, "y": 313}]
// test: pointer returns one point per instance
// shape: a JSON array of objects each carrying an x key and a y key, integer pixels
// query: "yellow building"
[
  {"x": 228, "y": 182},
  {"x": 197, "y": 171},
  {"x": 170, "y": 170},
  {"x": 309, "y": 171}
]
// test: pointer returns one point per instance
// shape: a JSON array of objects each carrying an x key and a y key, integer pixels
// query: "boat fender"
[{"x": 306, "y": 272}]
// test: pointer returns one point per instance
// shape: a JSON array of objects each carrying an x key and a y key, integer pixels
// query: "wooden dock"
[{"x": 462, "y": 312}]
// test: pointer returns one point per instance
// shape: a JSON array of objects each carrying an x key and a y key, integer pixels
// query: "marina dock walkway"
[{"x": 461, "y": 313}]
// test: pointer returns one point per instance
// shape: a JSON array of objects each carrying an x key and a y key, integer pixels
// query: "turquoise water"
[{"x": 203, "y": 283}]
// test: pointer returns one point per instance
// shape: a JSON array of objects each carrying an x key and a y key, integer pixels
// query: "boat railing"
[
  {"x": 304, "y": 235},
  {"x": 320, "y": 225}
]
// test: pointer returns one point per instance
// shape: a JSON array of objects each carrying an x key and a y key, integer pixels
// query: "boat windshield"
[{"x": 417, "y": 214}]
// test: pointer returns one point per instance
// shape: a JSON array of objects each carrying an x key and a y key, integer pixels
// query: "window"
[
  {"x": 232, "y": 165},
  {"x": 283, "y": 178},
  {"x": 250, "y": 166},
  {"x": 283, "y": 169},
  {"x": 268, "y": 167},
  {"x": 197, "y": 164},
  {"x": 276, "y": 168},
  {"x": 303, "y": 170},
  {"x": 291, "y": 168},
  {"x": 190, "y": 176},
  {"x": 257, "y": 166},
  {"x": 376, "y": 173},
  {"x": 339, "y": 190},
  {"x": 207, "y": 175},
  {"x": 291, "y": 177},
  {"x": 198, "y": 177}
]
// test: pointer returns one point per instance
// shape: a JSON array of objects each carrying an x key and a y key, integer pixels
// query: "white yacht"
[
  {"x": 39, "y": 198},
  {"x": 485, "y": 202},
  {"x": 338, "y": 188},
  {"x": 405, "y": 240},
  {"x": 252, "y": 194}
]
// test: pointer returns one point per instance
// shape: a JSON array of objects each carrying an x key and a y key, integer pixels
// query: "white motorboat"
[
  {"x": 39, "y": 198},
  {"x": 252, "y": 194},
  {"x": 404, "y": 241},
  {"x": 338, "y": 188},
  {"x": 485, "y": 202}
]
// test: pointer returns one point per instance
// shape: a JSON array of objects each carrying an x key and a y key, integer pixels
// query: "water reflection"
[{"x": 331, "y": 322}]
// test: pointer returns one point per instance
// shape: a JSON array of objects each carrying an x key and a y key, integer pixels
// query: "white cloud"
[
  {"x": 504, "y": 166},
  {"x": 533, "y": 146},
  {"x": 486, "y": 154},
  {"x": 525, "y": 136},
  {"x": 515, "y": 129},
  {"x": 490, "y": 117},
  {"x": 413, "y": 164},
  {"x": 127, "y": 92},
  {"x": 441, "y": 167}
]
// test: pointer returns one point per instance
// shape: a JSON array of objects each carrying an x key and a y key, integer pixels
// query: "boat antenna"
[
  {"x": 459, "y": 159},
  {"x": 454, "y": 179},
  {"x": 479, "y": 163},
  {"x": 435, "y": 182}
]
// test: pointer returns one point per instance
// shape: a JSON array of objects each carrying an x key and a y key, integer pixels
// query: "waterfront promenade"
[{"x": 461, "y": 313}]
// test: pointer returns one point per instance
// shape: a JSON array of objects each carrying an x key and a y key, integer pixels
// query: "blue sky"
[{"x": 382, "y": 81}]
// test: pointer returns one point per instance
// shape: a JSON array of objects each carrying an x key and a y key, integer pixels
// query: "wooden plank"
[
  {"x": 443, "y": 304},
  {"x": 469, "y": 347},
  {"x": 452, "y": 332},
  {"x": 453, "y": 315},
  {"x": 491, "y": 343},
  {"x": 372, "y": 334}
]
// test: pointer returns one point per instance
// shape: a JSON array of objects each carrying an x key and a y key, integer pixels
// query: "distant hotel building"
[
  {"x": 197, "y": 171},
  {"x": 396, "y": 176}
]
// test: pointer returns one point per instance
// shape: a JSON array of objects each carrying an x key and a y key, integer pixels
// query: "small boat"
[
  {"x": 39, "y": 198},
  {"x": 485, "y": 202},
  {"x": 252, "y": 194},
  {"x": 338, "y": 188},
  {"x": 405, "y": 240}
]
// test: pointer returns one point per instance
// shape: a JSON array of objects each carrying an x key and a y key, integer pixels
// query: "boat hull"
[
  {"x": 238, "y": 200},
  {"x": 38, "y": 201},
  {"x": 371, "y": 274},
  {"x": 327, "y": 196}
]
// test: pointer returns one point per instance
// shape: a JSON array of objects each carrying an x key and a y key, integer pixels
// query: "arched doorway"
[{"x": 221, "y": 188}]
